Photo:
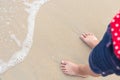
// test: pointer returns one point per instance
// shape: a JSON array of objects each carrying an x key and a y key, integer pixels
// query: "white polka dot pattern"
[
  {"x": 115, "y": 30},
  {"x": 115, "y": 34}
]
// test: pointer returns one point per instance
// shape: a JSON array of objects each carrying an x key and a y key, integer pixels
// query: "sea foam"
[{"x": 32, "y": 10}]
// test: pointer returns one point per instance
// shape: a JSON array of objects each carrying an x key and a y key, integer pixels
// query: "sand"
[{"x": 58, "y": 26}]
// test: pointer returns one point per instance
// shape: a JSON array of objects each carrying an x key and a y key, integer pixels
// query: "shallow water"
[
  {"x": 56, "y": 37},
  {"x": 16, "y": 30}
]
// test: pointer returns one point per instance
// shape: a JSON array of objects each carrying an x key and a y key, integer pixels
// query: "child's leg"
[
  {"x": 73, "y": 69},
  {"x": 70, "y": 68}
]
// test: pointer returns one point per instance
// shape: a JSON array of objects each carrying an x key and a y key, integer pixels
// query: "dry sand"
[{"x": 58, "y": 26}]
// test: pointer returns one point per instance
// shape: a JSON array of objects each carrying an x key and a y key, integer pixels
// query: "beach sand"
[{"x": 58, "y": 26}]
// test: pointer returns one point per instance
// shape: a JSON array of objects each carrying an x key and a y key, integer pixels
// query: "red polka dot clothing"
[
  {"x": 115, "y": 30},
  {"x": 105, "y": 57}
]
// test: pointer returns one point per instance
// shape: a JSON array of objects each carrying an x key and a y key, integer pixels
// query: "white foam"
[{"x": 19, "y": 56}]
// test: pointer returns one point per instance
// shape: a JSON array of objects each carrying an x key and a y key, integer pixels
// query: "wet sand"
[{"x": 58, "y": 26}]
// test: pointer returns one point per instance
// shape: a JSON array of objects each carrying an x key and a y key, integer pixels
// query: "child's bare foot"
[
  {"x": 89, "y": 39},
  {"x": 72, "y": 69}
]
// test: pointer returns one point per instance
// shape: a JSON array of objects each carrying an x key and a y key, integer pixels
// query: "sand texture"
[{"x": 58, "y": 26}]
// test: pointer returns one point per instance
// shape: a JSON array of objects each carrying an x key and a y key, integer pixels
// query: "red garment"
[{"x": 115, "y": 30}]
